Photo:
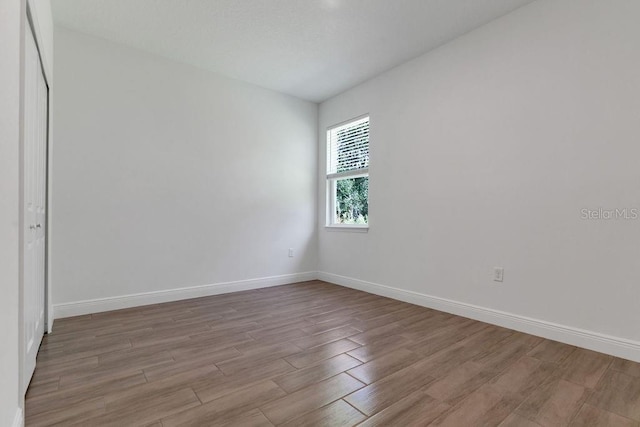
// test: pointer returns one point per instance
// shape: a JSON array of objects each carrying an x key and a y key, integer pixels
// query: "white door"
[{"x": 35, "y": 196}]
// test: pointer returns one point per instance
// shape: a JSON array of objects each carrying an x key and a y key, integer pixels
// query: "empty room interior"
[{"x": 320, "y": 213}]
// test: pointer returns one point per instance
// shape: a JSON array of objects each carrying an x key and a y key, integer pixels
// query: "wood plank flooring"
[{"x": 315, "y": 354}]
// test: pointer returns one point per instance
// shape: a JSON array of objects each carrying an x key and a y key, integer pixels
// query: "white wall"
[
  {"x": 11, "y": 22},
  {"x": 167, "y": 176},
  {"x": 484, "y": 152}
]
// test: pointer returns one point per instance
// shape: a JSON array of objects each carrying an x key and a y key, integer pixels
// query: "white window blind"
[{"x": 348, "y": 149}]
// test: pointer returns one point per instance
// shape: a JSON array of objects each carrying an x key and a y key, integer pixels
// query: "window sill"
[{"x": 348, "y": 228}]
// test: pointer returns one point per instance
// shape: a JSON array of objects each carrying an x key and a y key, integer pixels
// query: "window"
[{"x": 348, "y": 173}]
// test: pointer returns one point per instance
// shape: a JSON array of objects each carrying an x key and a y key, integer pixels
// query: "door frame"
[{"x": 30, "y": 24}]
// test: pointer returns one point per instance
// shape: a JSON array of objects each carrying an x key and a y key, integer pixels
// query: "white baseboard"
[
  {"x": 50, "y": 320},
  {"x": 602, "y": 343},
  {"x": 18, "y": 420},
  {"x": 78, "y": 308}
]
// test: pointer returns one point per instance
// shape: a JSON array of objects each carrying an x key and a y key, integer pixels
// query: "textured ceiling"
[{"x": 312, "y": 49}]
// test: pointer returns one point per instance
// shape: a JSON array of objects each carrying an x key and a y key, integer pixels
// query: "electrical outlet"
[
  {"x": 290, "y": 252},
  {"x": 498, "y": 274}
]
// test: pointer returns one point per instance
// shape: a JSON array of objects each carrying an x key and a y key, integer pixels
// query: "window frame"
[{"x": 333, "y": 178}]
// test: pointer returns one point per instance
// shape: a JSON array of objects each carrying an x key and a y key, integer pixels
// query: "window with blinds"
[
  {"x": 349, "y": 148},
  {"x": 348, "y": 173}
]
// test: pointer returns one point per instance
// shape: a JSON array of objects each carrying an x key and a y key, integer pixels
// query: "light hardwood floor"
[{"x": 315, "y": 354}]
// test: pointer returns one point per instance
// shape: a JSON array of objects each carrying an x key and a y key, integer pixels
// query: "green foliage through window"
[{"x": 352, "y": 200}]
